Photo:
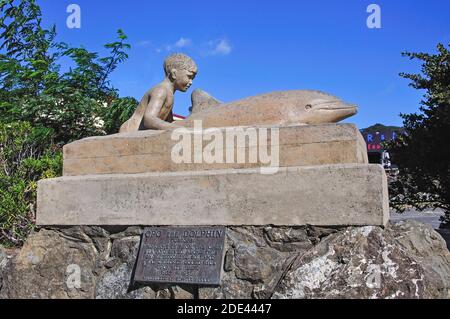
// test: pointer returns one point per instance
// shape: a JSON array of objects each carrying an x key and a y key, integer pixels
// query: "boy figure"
[{"x": 155, "y": 110}]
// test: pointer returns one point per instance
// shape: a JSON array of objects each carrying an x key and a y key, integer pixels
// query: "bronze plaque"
[{"x": 181, "y": 255}]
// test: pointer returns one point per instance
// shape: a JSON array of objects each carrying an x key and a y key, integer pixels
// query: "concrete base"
[
  {"x": 150, "y": 151},
  {"x": 343, "y": 194}
]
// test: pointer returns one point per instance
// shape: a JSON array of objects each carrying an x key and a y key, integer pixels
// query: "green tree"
[
  {"x": 27, "y": 154},
  {"x": 43, "y": 108},
  {"x": 33, "y": 89},
  {"x": 117, "y": 113},
  {"x": 423, "y": 152}
]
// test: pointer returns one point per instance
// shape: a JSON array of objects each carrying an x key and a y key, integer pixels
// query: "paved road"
[{"x": 428, "y": 217}]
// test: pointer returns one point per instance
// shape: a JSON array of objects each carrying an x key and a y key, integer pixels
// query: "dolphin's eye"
[{"x": 308, "y": 106}]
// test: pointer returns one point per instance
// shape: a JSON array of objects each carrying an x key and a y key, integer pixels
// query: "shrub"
[
  {"x": 27, "y": 155},
  {"x": 422, "y": 153}
]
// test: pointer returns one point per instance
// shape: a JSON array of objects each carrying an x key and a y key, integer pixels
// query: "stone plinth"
[
  {"x": 410, "y": 259},
  {"x": 344, "y": 194},
  {"x": 150, "y": 151}
]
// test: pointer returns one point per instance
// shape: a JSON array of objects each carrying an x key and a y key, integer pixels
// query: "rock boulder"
[{"x": 404, "y": 260}]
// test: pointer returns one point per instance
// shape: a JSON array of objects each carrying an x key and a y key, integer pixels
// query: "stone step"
[
  {"x": 329, "y": 195},
  {"x": 151, "y": 151}
]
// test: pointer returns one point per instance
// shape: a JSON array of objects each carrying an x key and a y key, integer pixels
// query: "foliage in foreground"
[
  {"x": 42, "y": 107},
  {"x": 423, "y": 152}
]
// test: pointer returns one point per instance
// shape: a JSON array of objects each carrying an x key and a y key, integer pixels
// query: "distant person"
[{"x": 386, "y": 160}]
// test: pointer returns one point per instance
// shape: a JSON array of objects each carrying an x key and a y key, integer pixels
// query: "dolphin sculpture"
[
  {"x": 276, "y": 108},
  {"x": 299, "y": 107}
]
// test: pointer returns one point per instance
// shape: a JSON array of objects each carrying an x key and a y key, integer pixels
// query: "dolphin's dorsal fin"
[{"x": 202, "y": 101}]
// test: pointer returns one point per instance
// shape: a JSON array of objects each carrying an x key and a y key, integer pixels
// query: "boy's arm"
[{"x": 151, "y": 119}]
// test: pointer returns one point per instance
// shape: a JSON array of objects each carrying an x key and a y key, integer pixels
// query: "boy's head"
[{"x": 181, "y": 70}]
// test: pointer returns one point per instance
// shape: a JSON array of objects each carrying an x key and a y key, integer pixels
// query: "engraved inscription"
[{"x": 181, "y": 255}]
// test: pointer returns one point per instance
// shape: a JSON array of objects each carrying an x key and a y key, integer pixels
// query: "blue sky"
[{"x": 245, "y": 48}]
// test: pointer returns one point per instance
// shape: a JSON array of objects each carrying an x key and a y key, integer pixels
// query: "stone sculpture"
[
  {"x": 276, "y": 108},
  {"x": 298, "y": 107},
  {"x": 202, "y": 101},
  {"x": 278, "y": 244},
  {"x": 317, "y": 171},
  {"x": 155, "y": 108}
]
